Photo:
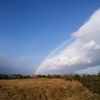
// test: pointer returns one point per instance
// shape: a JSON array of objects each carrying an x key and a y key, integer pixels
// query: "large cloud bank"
[{"x": 83, "y": 53}]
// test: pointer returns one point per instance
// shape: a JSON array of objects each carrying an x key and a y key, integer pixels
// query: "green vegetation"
[{"x": 13, "y": 76}]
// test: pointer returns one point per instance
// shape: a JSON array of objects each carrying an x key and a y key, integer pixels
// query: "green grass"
[{"x": 44, "y": 89}]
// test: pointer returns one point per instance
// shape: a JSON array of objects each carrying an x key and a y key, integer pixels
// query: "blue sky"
[{"x": 31, "y": 29}]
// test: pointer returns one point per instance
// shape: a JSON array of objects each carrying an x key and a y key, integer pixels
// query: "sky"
[{"x": 49, "y": 36}]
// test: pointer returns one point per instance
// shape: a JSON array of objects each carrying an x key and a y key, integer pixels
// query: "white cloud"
[
  {"x": 83, "y": 53},
  {"x": 91, "y": 45},
  {"x": 91, "y": 26}
]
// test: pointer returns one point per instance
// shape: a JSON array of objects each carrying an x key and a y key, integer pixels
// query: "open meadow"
[{"x": 44, "y": 89}]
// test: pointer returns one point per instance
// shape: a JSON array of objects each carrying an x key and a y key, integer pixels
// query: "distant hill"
[{"x": 44, "y": 89}]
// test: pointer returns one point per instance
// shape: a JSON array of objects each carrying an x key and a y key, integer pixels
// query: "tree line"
[{"x": 14, "y": 76}]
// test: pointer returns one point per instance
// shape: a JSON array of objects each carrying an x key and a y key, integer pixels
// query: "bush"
[{"x": 0, "y": 86}]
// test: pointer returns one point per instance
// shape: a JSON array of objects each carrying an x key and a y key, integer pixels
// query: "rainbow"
[{"x": 67, "y": 42}]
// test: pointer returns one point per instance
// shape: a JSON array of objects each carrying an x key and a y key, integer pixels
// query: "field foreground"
[{"x": 44, "y": 89}]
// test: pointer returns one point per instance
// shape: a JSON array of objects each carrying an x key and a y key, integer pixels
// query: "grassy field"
[{"x": 44, "y": 89}]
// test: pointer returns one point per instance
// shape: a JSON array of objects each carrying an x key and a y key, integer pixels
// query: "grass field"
[{"x": 44, "y": 89}]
